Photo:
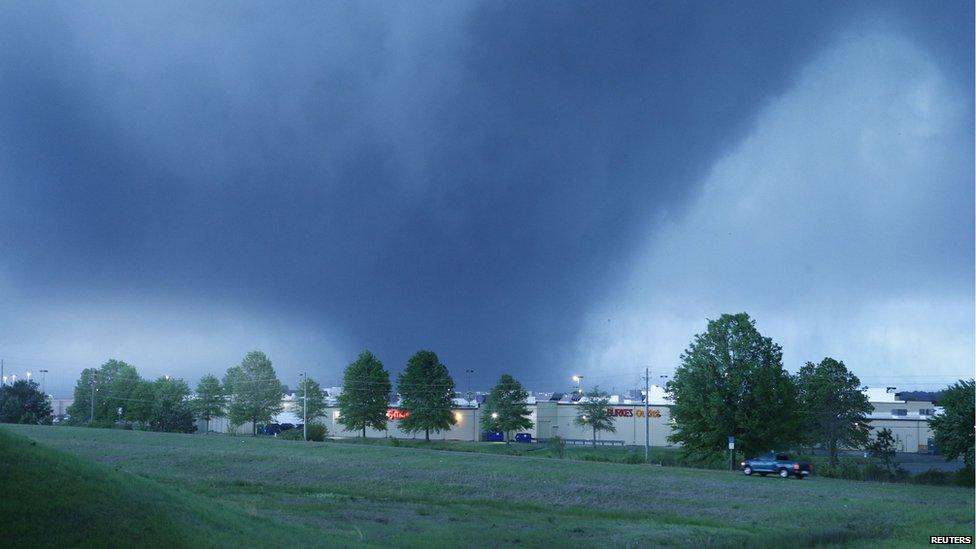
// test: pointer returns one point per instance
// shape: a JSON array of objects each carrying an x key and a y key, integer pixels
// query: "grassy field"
[
  {"x": 612, "y": 454},
  {"x": 278, "y": 492}
]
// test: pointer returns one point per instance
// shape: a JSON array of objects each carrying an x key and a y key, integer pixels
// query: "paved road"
[{"x": 919, "y": 463}]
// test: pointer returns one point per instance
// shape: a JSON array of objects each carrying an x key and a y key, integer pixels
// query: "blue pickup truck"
[{"x": 778, "y": 464}]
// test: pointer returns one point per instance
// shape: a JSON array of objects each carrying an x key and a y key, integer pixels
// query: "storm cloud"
[{"x": 182, "y": 183}]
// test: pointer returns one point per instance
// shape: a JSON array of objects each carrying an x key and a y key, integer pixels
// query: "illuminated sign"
[
  {"x": 394, "y": 414},
  {"x": 630, "y": 412}
]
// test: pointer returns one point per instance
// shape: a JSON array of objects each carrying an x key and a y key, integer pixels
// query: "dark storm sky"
[{"x": 180, "y": 184}]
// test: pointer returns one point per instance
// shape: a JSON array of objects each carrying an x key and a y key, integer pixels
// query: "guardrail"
[{"x": 589, "y": 442}]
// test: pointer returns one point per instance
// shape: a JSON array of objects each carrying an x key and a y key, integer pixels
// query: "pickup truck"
[{"x": 779, "y": 464}]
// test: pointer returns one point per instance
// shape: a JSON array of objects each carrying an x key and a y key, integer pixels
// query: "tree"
[
  {"x": 365, "y": 394},
  {"x": 505, "y": 408},
  {"x": 427, "y": 393},
  {"x": 731, "y": 382},
  {"x": 316, "y": 399},
  {"x": 594, "y": 412},
  {"x": 171, "y": 409},
  {"x": 22, "y": 402},
  {"x": 953, "y": 429},
  {"x": 254, "y": 391},
  {"x": 210, "y": 401},
  {"x": 116, "y": 385},
  {"x": 139, "y": 407},
  {"x": 883, "y": 448},
  {"x": 833, "y": 409}
]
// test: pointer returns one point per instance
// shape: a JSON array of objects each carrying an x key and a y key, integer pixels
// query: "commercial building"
[
  {"x": 554, "y": 415},
  {"x": 908, "y": 420}
]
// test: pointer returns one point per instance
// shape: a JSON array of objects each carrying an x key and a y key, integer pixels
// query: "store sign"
[
  {"x": 395, "y": 414},
  {"x": 630, "y": 412},
  {"x": 621, "y": 412}
]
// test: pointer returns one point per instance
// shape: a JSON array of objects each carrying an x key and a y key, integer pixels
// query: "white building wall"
[{"x": 912, "y": 432}]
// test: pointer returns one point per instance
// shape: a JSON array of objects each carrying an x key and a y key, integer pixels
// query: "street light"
[
  {"x": 473, "y": 400},
  {"x": 304, "y": 376}
]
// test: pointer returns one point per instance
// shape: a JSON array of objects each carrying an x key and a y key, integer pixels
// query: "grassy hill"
[
  {"x": 416, "y": 497},
  {"x": 51, "y": 498}
]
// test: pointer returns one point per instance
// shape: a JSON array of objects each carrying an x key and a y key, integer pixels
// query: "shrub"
[
  {"x": 292, "y": 434},
  {"x": 901, "y": 475},
  {"x": 317, "y": 432},
  {"x": 965, "y": 477},
  {"x": 934, "y": 476},
  {"x": 557, "y": 446},
  {"x": 874, "y": 472},
  {"x": 634, "y": 458}
]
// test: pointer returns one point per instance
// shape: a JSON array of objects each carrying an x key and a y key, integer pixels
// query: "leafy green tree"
[
  {"x": 883, "y": 448},
  {"x": 505, "y": 410},
  {"x": 953, "y": 429},
  {"x": 365, "y": 394},
  {"x": 139, "y": 407},
  {"x": 731, "y": 382},
  {"x": 22, "y": 402},
  {"x": 833, "y": 409},
  {"x": 427, "y": 393},
  {"x": 171, "y": 409},
  {"x": 117, "y": 386},
  {"x": 210, "y": 401},
  {"x": 316, "y": 399},
  {"x": 594, "y": 412},
  {"x": 254, "y": 391}
]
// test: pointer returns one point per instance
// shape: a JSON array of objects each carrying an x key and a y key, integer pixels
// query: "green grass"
[
  {"x": 50, "y": 498},
  {"x": 609, "y": 454},
  {"x": 396, "y": 496}
]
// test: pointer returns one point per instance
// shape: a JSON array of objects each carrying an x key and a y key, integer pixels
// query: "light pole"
[
  {"x": 43, "y": 378},
  {"x": 579, "y": 384},
  {"x": 304, "y": 405},
  {"x": 474, "y": 406},
  {"x": 91, "y": 418},
  {"x": 647, "y": 414}
]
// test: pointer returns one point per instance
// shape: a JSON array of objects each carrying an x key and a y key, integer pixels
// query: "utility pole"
[
  {"x": 91, "y": 418},
  {"x": 473, "y": 398},
  {"x": 43, "y": 379},
  {"x": 647, "y": 414},
  {"x": 305, "y": 405}
]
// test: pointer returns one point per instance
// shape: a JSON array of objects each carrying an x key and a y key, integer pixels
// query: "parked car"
[
  {"x": 271, "y": 429},
  {"x": 779, "y": 464}
]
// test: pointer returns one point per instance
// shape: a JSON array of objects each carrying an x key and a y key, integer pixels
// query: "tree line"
[
  {"x": 115, "y": 394},
  {"x": 730, "y": 382}
]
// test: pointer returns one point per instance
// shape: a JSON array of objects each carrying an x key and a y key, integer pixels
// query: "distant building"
[{"x": 554, "y": 414}]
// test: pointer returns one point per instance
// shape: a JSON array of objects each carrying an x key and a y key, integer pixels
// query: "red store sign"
[{"x": 394, "y": 414}]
